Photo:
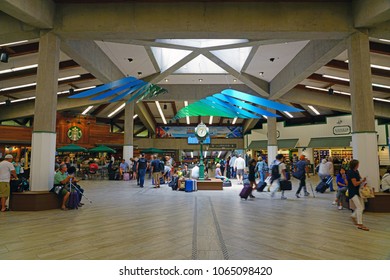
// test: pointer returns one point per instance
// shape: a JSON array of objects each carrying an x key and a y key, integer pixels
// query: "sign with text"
[
  {"x": 185, "y": 132},
  {"x": 342, "y": 130}
]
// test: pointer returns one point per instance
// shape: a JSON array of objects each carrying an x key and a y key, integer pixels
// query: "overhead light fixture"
[
  {"x": 200, "y": 80},
  {"x": 192, "y": 155},
  {"x": 87, "y": 110},
  {"x": 165, "y": 106},
  {"x": 314, "y": 110},
  {"x": 135, "y": 116},
  {"x": 69, "y": 78},
  {"x": 381, "y": 99},
  {"x": 265, "y": 117},
  {"x": 161, "y": 112},
  {"x": 15, "y": 69},
  {"x": 380, "y": 67},
  {"x": 336, "y": 78},
  {"x": 234, "y": 80},
  {"x": 71, "y": 91},
  {"x": 205, "y": 154},
  {"x": 219, "y": 154},
  {"x": 261, "y": 73},
  {"x": 166, "y": 80},
  {"x": 288, "y": 114},
  {"x": 211, "y": 120},
  {"x": 330, "y": 91},
  {"x": 17, "y": 87},
  {"x": 381, "y": 86},
  {"x": 13, "y": 43},
  {"x": 384, "y": 40},
  {"x": 316, "y": 88},
  {"x": 234, "y": 120},
  {"x": 187, "y": 117},
  {"x": 116, "y": 110},
  {"x": 130, "y": 59}
]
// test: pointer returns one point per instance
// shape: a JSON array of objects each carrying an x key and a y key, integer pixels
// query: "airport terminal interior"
[{"x": 98, "y": 81}]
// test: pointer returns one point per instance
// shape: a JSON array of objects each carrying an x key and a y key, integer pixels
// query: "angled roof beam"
[
  {"x": 259, "y": 86},
  {"x": 39, "y": 14},
  {"x": 312, "y": 57},
  {"x": 146, "y": 118},
  {"x": 89, "y": 55},
  {"x": 13, "y": 30},
  {"x": 370, "y": 12}
]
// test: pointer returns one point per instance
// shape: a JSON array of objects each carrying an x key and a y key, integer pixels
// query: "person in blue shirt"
[
  {"x": 342, "y": 185},
  {"x": 300, "y": 173},
  {"x": 261, "y": 169}
]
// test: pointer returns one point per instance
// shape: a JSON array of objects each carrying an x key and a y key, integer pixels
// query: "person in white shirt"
[
  {"x": 282, "y": 171},
  {"x": 231, "y": 164},
  {"x": 239, "y": 166},
  {"x": 195, "y": 172},
  {"x": 7, "y": 170}
]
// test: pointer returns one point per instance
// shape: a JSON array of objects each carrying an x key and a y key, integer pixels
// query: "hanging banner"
[{"x": 184, "y": 132}]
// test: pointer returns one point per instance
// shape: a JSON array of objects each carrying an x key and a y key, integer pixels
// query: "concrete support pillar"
[
  {"x": 128, "y": 142},
  {"x": 272, "y": 139},
  {"x": 44, "y": 133},
  {"x": 364, "y": 137}
]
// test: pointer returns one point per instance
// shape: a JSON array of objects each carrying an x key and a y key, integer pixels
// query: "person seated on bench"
[
  {"x": 72, "y": 172},
  {"x": 218, "y": 173},
  {"x": 385, "y": 183},
  {"x": 195, "y": 172},
  {"x": 61, "y": 180}
]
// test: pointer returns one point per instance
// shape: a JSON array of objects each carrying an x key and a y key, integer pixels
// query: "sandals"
[
  {"x": 363, "y": 228},
  {"x": 5, "y": 209}
]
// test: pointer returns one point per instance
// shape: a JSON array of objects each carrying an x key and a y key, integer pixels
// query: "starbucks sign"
[{"x": 75, "y": 133}]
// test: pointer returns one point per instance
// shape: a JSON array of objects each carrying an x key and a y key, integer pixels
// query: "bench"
[
  {"x": 34, "y": 201},
  {"x": 210, "y": 185},
  {"x": 381, "y": 203}
]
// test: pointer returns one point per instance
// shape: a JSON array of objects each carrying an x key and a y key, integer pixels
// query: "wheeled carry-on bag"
[
  {"x": 246, "y": 190},
  {"x": 321, "y": 187},
  {"x": 126, "y": 176},
  {"x": 261, "y": 186},
  {"x": 285, "y": 185},
  {"x": 190, "y": 185}
]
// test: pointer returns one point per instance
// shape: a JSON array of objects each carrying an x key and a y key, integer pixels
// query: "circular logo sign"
[{"x": 74, "y": 133}]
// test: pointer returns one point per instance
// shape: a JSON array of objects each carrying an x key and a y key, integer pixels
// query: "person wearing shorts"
[{"x": 7, "y": 170}]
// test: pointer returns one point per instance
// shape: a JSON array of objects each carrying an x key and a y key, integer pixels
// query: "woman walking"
[{"x": 354, "y": 181}]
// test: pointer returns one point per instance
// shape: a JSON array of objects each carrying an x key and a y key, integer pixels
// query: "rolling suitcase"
[
  {"x": 126, "y": 176},
  {"x": 321, "y": 187},
  {"x": 261, "y": 186},
  {"x": 227, "y": 183},
  {"x": 190, "y": 185},
  {"x": 246, "y": 190}
]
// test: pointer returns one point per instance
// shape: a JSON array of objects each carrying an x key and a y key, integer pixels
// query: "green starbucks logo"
[{"x": 75, "y": 133}]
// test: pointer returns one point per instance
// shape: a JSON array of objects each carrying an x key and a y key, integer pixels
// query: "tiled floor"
[{"x": 127, "y": 222}]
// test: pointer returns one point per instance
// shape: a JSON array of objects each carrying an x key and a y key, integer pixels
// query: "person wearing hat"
[
  {"x": 7, "y": 170},
  {"x": 300, "y": 174}
]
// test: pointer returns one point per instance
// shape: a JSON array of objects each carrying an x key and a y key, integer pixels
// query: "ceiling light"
[
  {"x": 261, "y": 73},
  {"x": 288, "y": 114},
  {"x": 383, "y": 40},
  {"x": 69, "y": 78},
  {"x": 314, "y": 110},
  {"x": 13, "y": 43},
  {"x": 192, "y": 155},
  {"x": 219, "y": 154},
  {"x": 166, "y": 80},
  {"x": 234, "y": 120},
  {"x": 316, "y": 88},
  {"x": 205, "y": 153},
  {"x": 16, "y": 87},
  {"x": 161, "y": 112},
  {"x": 336, "y": 78},
  {"x": 116, "y": 110},
  {"x": 200, "y": 80},
  {"x": 187, "y": 117},
  {"x": 381, "y": 86},
  {"x": 135, "y": 116},
  {"x": 130, "y": 59},
  {"x": 380, "y": 67},
  {"x": 15, "y": 69},
  {"x": 265, "y": 117},
  {"x": 381, "y": 99},
  {"x": 87, "y": 110},
  {"x": 211, "y": 120},
  {"x": 234, "y": 80}
]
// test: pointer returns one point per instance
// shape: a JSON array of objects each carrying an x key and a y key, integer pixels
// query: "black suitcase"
[
  {"x": 321, "y": 187},
  {"x": 285, "y": 185},
  {"x": 261, "y": 186}
]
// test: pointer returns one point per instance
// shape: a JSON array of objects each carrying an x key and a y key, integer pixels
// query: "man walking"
[
  {"x": 7, "y": 170},
  {"x": 239, "y": 167},
  {"x": 142, "y": 164}
]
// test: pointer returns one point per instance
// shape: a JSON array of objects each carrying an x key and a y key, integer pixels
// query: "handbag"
[
  {"x": 285, "y": 185},
  {"x": 365, "y": 191}
]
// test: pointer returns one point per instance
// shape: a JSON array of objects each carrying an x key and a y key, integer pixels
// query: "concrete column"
[
  {"x": 364, "y": 137},
  {"x": 44, "y": 133},
  {"x": 272, "y": 139},
  {"x": 128, "y": 142}
]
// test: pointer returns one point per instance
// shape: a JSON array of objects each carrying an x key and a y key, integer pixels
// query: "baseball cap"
[{"x": 9, "y": 156}]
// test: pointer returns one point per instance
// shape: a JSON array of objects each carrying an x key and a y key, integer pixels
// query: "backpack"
[
  {"x": 275, "y": 172},
  {"x": 174, "y": 183},
  {"x": 161, "y": 166}
]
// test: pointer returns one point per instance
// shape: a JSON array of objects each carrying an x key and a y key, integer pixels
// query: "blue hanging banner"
[
  {"x": 258, "y": 100},
  {"x": 130, "y": 91},
  {"x": 245, "y": 105},
  {"x": 244, "y": 113},
  {"x": 114, "y": 91},
  {"x": 104, "y": 87}
]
